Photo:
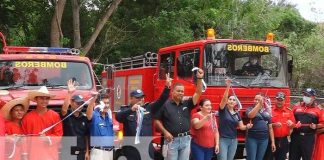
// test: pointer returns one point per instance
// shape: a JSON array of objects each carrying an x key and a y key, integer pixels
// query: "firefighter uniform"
[
  {"x": 282, "y": 115},
  {"x": 303, "y": 138}
]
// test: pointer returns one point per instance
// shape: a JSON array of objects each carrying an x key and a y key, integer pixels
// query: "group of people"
[
  {"x": 201, "y": 135},
  {"x": 38, "y": 133}
]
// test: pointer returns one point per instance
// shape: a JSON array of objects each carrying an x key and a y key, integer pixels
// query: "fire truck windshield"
[
  {"x": 247, "y": 64},
  {"x": 26, "y": 74}
]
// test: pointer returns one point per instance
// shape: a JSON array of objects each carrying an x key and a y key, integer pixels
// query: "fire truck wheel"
[{"x": 128, "y": 152}]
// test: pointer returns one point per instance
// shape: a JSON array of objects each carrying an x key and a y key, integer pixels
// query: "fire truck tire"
[{"x": 127, "y": 152}]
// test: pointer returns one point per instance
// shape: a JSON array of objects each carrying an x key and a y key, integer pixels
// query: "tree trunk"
[
  {"x": 101, "y": 22},
  {"x": 76, "y": 23},
  {"x": 56, "y": 32}
]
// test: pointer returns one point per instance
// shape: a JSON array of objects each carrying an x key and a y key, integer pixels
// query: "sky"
[{"x": 312, "y": 10}]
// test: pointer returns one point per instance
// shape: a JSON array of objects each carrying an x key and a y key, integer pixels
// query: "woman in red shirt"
[
  {"x": 319, "y": 144},
  {"x": 205, "y": 136}
]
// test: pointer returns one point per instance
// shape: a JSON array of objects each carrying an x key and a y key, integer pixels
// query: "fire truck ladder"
[{"x": 145, "y": 60}]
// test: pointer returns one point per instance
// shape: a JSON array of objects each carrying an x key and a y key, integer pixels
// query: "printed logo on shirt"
[
  {"x": 101, "y": 124},
  {"x": 286, "y": 115},
  {"x": 299, "y": 110},
  {"x": 184, "y": 108}
]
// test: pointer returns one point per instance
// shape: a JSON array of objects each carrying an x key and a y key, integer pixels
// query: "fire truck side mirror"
[{"x": 290, "y": 66}]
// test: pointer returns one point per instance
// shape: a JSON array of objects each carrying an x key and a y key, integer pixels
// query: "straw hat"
[
  {"x": 42, "y": 92},
  {"x": 24, "y": 101}
]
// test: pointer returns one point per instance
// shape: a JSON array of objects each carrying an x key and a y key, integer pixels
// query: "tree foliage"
[{"x": 138, "y": 26}]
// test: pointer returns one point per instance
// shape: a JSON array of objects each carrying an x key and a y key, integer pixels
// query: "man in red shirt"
[
  {"x": 282, "y": 122},
  {"x": 43, "y": 145}
]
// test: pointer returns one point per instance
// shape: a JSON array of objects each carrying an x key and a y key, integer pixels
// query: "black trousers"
[
  {"x": 282, "y": 148},
  {"x": 301, "y": 146}
]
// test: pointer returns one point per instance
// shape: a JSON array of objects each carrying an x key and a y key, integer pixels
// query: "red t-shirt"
[
  {"x": 282, "y": 116},
  {"x": 13, "y": 128},
  {"x": 34, "y": 123},
  {"x": 204, "y": 136}
]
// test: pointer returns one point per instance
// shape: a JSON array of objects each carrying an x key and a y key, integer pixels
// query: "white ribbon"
[
  {"x": 239, "y": 105},
  {"x": 267, "y": 104},
  {"x": 213, "y": 122},
  {"x": 15, "y": 140},
  {"x": 140, "y": 116}
]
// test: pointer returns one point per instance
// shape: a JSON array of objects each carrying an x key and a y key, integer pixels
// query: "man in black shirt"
[
  {"x": 173, "y": 120},
  {"x": 76, "y": 125},
  {"x": 128, "y": 116}
]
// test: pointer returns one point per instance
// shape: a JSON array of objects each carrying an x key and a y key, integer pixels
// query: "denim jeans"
[
  {"x": 179, "y": 148},
  {"x": 255, "y": 148},
  {"x": 227, "y": 148},
  {"x": 201, "y": 153}
]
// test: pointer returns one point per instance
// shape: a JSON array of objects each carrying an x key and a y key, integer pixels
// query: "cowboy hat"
[
  {"x": 42, "y": 92},
  {"x": 5, "y": 110}
]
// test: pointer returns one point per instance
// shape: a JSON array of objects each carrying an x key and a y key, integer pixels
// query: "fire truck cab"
[
  {"x": 219, "y": 58},
  {"x": 28, "y": 68}
]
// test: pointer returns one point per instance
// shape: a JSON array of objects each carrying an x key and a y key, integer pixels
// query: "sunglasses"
[{"x": 279, "y": 99}]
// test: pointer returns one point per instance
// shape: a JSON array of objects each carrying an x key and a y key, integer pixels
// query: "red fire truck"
[
  {"x": 28, "y": 68},
  {"x": 219, "y": 58}
]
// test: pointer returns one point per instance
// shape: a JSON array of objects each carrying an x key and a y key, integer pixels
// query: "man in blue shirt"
[{"x": 101, "y": 129}]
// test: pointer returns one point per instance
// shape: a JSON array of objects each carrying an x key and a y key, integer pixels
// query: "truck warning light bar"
[
  {"x": 53, "y": 50},
  {"x": 49, "y": 50}
]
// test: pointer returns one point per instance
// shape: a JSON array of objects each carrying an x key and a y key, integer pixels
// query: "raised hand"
[
  {"x": 200, "y": 73},
  {"x": 71, "y": 86},
  {"x": 135, "y": 107},
  {"x": 168, "y": 81},
  {"x": 228, "y": 82}
]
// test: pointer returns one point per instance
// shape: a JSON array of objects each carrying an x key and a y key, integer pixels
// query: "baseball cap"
[
  {"x": 280, "y": 95},
  {"x": 137, "y": 93},
  {"x": 77, "y": 98},
  {"x": 309, "y": 92}
]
